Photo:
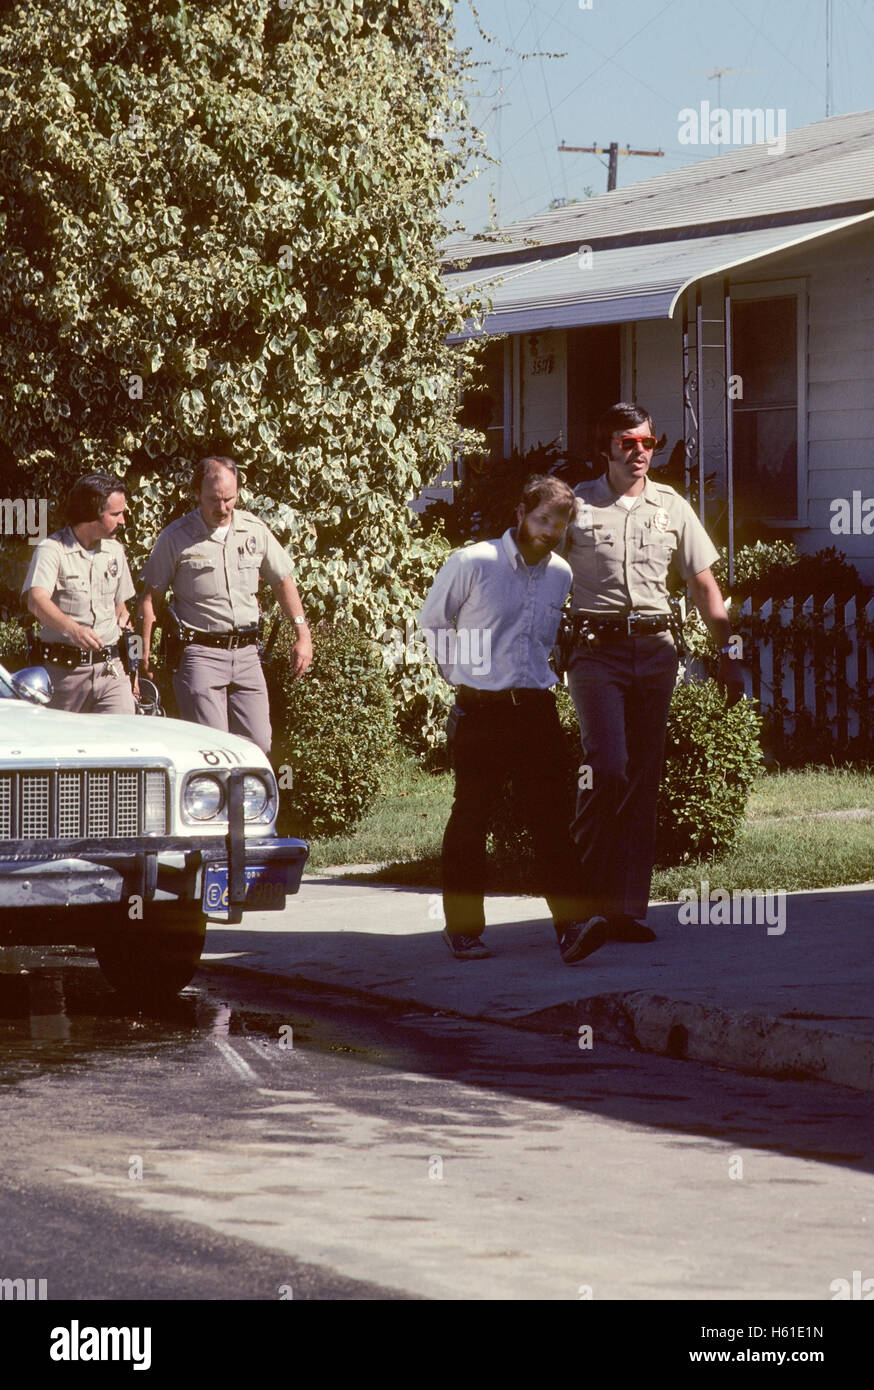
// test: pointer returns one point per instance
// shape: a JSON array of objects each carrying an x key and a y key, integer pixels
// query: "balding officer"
[
  {"x": 213, "y": 559},
  {"x": 625, "y": 534},
  {"x": 78, "y": 584}
]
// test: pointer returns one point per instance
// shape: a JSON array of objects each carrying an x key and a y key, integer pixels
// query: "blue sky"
[{"x": 630, "y": 67}]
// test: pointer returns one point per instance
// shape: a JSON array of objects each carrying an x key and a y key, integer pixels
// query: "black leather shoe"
[{"x": 627, "y": 929}]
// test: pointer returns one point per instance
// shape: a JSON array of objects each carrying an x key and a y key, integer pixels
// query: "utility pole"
[{"x": 613, "y": 151}]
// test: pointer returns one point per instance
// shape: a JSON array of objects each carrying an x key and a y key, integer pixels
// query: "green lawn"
[
  {"x": 406, "y": 824},
  {"x": 815, "y": 789},
  {"x": 808, "y": 828}
]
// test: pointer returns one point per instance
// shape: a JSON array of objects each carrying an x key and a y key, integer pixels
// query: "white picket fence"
[{"x": 833, "y": 680}]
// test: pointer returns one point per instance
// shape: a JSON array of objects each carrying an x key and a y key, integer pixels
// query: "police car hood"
[{"x": 33, "y": 734}]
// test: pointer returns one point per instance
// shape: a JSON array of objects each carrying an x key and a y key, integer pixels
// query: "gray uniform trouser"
[
  {"x": 91, "y": 689},
  {"x": 621, "y": 691},
  {"x": 225, "y": 690}
]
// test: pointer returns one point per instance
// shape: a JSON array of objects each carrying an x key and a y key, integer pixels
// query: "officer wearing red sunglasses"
[{"x": 626, "y": 532}]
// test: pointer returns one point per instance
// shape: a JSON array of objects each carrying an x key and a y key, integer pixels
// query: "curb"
[
  {"x": 705, "y": 1033},
  {"x": 641, "y": 1022}
]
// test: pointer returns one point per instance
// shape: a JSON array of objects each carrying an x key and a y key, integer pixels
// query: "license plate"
[{"x": 266, "y": 887}]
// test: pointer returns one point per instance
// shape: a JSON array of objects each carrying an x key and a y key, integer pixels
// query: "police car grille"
[{"x": 72, "y": 804}]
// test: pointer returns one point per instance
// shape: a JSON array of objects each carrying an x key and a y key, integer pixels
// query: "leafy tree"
[{"x": 221, "y": 228}]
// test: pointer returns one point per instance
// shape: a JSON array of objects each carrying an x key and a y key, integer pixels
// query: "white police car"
[{"x": 126, "y": 834}]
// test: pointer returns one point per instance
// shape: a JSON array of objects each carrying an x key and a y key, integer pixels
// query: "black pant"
[
  {"x": 622, "y": 692},
  {"x": 524, "y": 741}
]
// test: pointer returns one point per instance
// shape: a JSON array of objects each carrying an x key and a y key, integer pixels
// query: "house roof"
[
  {"x": 624, "y": 283},
  {"x": 827, "y": 166}
]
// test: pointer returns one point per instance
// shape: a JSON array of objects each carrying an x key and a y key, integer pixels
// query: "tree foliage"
[{"x": 221, "y": 228}]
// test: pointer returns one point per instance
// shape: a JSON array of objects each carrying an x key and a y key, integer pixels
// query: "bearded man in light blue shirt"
[{"x": 491, "y": 622}]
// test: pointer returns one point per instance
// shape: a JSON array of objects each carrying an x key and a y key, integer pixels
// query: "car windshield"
[{"x": 7, "y": 691}]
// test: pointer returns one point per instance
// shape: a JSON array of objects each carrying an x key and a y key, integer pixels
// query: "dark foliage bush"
[
  {"x": 13, "y": 644},
  {"x": 712, "y": 755},
  {"x": 486, "y": 499},
  {"x": 776, "y": 570},
  {"x": 333, "y": 730}
]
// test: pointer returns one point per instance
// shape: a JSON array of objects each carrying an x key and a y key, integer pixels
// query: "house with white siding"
[{"x": 734, "y": 298}]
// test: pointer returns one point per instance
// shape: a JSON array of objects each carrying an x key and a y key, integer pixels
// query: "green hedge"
[
  {"x": 13, "y": 644},
  {"x": 712, "y": 755},
  {"x": 333, "y": 730}
]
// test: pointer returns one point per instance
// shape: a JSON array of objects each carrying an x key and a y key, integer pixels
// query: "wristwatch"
[{"x": 298, "y": 620}]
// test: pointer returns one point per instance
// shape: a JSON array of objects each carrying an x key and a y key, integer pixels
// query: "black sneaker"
[
  {"x": 582, "y": 938},
  {"x": 467, "y": 947},
  {"x": 627, "y": 929}
]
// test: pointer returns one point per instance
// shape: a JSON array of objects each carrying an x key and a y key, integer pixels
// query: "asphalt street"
[{"x": 269, "y": 1140}]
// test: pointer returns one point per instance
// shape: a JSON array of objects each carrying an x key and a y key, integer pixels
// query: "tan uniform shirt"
[
  {"x": 87, "y": 585},
  {"x": 621, "y": 558},
  {"x": 215, "y": 582}
]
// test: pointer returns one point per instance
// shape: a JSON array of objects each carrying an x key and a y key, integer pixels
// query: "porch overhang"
[{"x": 621, "y": 284}]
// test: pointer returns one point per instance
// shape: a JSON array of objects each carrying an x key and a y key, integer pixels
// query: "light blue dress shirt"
[{"x": 491, "y": 620}]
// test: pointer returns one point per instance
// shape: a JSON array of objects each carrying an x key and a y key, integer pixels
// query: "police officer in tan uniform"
[
  {"x": 626, "y": 532},
  {"x": 213, "y": 559},
  {"x": 78, "y": 584}
]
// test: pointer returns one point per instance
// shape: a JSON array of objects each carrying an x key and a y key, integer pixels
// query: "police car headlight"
[
  {"x": 257, "y": 798},
  {"x": 203, "y": 797}
]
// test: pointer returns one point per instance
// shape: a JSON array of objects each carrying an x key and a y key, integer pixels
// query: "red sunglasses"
[{"x": 632, "y": 441}]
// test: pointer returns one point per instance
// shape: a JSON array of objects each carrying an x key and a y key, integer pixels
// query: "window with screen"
[{"x": 765, "y": 357}]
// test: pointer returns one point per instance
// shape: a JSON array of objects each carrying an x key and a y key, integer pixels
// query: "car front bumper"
[{"x": 71, "y": 874}]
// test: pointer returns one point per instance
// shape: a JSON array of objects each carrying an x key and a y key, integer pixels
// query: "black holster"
[
  {"x": 675, "y": 627},
  {"x": 175, "y": 637},
  {"x": 128, "y": 650}
]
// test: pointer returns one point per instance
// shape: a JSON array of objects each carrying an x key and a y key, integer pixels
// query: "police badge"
[
  {"x": 251, "y": 544},
  {"x": 112, "y": 569},
  {"x": 660, "y": 520}
]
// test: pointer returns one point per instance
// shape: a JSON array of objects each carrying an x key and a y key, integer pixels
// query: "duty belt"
[
  {"x": 238, "y": 637},
  {"x": 62, "y": 654},
  {"x": 630, "y": 624},
  {"x": 469, "y": 697}
]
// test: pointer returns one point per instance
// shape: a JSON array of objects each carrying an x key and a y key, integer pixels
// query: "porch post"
[
  {"x": 687, "y": 405},
  {"x": 508, "y": 397},
  {"x": 729, "y": 430},
  {"x": 699, "y": 395}
]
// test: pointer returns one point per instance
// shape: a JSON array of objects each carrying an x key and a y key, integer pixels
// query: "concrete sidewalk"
[{"x": 796, "y": 1004}]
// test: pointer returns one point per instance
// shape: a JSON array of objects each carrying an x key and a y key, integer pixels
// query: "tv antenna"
[
  {"x": 497, "y": 109},
  {"x": 718, "y": 74}
]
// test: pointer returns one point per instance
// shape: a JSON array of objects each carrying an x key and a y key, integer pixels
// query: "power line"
[
  {"x": 783, "y": 54},
  {"x": 607, "y": 60},
  {"x": 546, "y": 94}
]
